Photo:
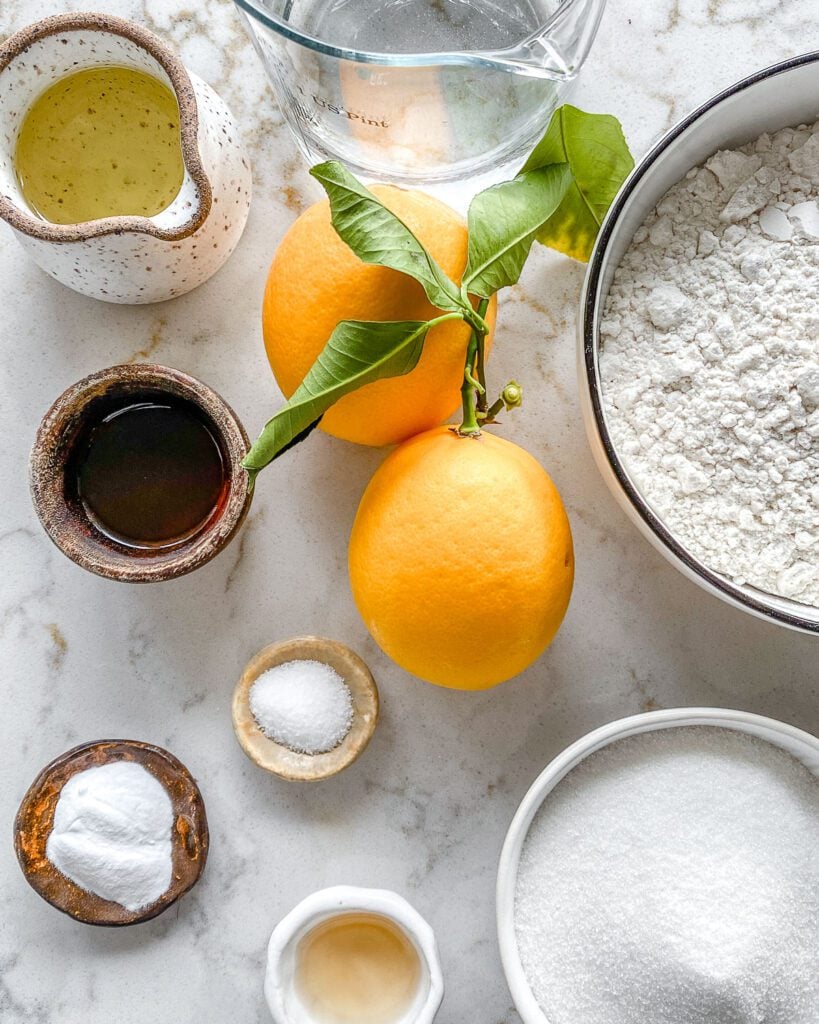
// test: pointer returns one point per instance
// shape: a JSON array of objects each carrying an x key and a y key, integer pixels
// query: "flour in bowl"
[{"x": 710, "y": 362}]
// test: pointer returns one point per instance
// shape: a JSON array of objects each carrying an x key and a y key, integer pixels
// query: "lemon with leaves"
[{"x": 315, "y": 281}]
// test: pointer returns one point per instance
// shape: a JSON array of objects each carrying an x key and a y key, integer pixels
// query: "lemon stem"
[
  {"x": 469, "y": 424},
  {"x": 472, "y": 384},
  {"x": 476, "y": 321},
  {"x": 480, "y": 362}
]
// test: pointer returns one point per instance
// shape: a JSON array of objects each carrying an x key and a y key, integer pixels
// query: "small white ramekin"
[
  {"x": 800, "y": 744},
  {"x": 282, "y": 999}
]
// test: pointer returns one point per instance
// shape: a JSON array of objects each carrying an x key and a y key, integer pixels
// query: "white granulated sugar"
[
  {"x": 304, "y": 705},
  {"x": 710, "y": 363},
  {"x": 673, "y": 878},
  {"x": 112, "y": 834}
]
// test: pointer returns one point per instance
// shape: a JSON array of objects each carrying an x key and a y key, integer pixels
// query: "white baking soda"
[
  {"x": 304, "y": 705},
  {"x": 673, "y": 878},
  {"x": 112, "y": 834}
]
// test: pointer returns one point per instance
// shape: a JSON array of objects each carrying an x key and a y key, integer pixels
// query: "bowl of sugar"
[
  {"x": 663, "y": 868},
  {"x": 698, "y": 367}
]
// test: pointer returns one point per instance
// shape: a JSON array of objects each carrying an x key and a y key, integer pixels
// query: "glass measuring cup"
[{"x": 421, "y": 91}]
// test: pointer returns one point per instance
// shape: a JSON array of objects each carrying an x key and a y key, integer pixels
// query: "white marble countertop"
[{"x": 425, "y": 810}]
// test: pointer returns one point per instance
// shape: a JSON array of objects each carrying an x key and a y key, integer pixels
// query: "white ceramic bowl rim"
[
  {"x": 340, "y": 899},
  {"x": 800, "y": 744},
  {"x": 590, "y": 300}
]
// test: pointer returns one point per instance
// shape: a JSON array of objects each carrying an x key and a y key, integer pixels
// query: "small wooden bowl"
[
  {"x": 35, "y": 820},
  {"x": 281, "y": 760},
  {"x": 53, "y": 489}
]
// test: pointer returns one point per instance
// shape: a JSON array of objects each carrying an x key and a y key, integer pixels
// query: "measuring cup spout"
[{"x": 558, "y": 49}]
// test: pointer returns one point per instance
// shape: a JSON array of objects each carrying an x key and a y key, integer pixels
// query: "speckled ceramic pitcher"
[{"x": 126, "y": 259}]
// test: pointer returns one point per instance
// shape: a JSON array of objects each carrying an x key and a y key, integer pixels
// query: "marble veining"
[{"x": 426, "y": 808}]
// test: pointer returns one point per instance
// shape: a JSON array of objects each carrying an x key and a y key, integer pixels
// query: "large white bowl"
[
  {"x": 786, "y": 94},
  {"x": 798, "y": 743}
]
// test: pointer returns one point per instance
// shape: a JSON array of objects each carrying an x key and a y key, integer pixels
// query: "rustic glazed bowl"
[
  {"x": 51, "y": 470},
  {"x": 126, "y": 259},
  {"x": 281, "y": 760},
  {"x": 35, "y": 820}
]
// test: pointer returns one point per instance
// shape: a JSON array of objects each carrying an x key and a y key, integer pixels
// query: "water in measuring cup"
[
  {"x": 426, "y": 26},
  {"x": 436, "y": 124}
]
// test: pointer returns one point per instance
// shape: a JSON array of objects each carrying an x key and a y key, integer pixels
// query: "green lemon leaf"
[
  {"x": 377, "y": 236},
  {"x": 594, "y": 147},
  {"x": 357, "y": 353},
  {"x": 503, "y": 223}
]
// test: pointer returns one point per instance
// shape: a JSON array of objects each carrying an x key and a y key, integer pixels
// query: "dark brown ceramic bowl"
[
  {"x": 35, "y": 819},
  {"x": 61, "y": 511}
]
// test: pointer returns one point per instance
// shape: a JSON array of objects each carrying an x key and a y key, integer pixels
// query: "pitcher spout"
[{"x": 559, "y": 48}]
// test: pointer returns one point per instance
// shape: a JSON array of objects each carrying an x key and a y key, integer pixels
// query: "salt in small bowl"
[{"x": 281, "y": 760}]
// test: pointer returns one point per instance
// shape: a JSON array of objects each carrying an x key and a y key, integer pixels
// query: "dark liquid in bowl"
[{"x": 149, "y": 471}]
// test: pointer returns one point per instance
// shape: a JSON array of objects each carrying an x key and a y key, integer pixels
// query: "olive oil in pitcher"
[{"x": 102, "y": 142}]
